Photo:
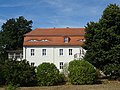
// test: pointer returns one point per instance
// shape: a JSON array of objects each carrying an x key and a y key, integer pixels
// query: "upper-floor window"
[
  {"x": 32, "y": 52},
  {"x": 60, "y": 51},
  {"x": 44, "y": 40},
  {"x": 70, "y": 51},
  {"x": 81, "y": 40},
  {"x": 66, "y": 39},
  {"x": 82, "y": 51},
  {"x": 43, "y": 52},
  {"x": 32, "y": 40}
]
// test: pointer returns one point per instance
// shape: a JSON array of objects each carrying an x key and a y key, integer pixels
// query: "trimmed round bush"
[
  {"x": 48, "y": 75},
  {"x": 81, "y": 72}
]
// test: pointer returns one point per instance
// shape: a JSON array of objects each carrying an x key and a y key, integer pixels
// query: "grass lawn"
[{"x": 107, "y": 85}]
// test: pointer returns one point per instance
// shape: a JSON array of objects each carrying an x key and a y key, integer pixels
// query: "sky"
[{"x": 54, "y": 13}]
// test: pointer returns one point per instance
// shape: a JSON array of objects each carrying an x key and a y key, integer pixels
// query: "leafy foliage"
[
  {"x": 81, "y": 72},
  {"x": 3, "y": 53},
  {"x": 11, "y": 36},
  {"x": 112, "y": 70},
  {"x": 1, "y": 75},
  {"x": 103, "y": 38},
  {"x": 48, "y": 74},
  {"x": 12, "y": 87},
  {"x": 3, "y": 57},
  {"x": 19, "y": 72}
]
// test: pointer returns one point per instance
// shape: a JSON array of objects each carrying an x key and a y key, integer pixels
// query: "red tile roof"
[
  {"x": 54, "y": 36},
  {"x": 56, "y": 31}
]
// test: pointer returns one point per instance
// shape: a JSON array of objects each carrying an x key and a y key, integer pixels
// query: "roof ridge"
[{"x": 61, "y": 28}]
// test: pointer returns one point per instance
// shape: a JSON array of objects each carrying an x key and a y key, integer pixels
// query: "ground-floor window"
[
  {"x": 61, "y": 65},
  {"x": 32, "y": 64}
]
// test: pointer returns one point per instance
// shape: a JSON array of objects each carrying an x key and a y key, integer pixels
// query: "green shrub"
[
  {"x": 81, "y": 72},
  {"x": 19, "y": 72},
  {"x": 3, "y": 56},
  {"x": 1, "y": 75},
  {"x": 112, "y": 70},
  {"x": 48, "y": 74},
  {"x": 12, "y": 87}
]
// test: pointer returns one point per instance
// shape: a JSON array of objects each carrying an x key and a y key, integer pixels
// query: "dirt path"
[{"x": 111, "y": 85}]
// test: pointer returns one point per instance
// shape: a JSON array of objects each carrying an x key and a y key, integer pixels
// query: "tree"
[
  {"x": 103, "y": 38},
  {"x": 3, "y": 53},
  {"x": 112, "y": 70},
  {"x": 13, "y": 31},
  {"x": 1, "y": 75}
]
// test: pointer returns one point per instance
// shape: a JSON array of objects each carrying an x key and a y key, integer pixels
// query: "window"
[
  {"x": 66, "y": 39},
  {"x": 60, "y": 51},
  {"x": 70, "y": 51},
  {"x": 44, "y": 40},
  {"x": 32, "y": 64},
  {"x": 81, "y": 40},
  {"x": 32, "y": 40},
  {"x": 83, "y": 52},
  {"x": 32, "y": 52},
  {"x": 61, "y": 65},
  {"x": 43, "y": 52}
]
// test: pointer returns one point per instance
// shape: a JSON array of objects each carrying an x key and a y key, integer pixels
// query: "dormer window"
[
  {"x": 81, "y": 40},
  {"x": 44, "y": 40},
  {"x": 32, "y": 40},
  {"x": 66, "y": 39}
]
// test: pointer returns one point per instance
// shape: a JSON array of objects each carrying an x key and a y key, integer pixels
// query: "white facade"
[{"x": 59, "y": 55}]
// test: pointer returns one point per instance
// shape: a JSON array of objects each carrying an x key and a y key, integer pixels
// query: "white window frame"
[
  {"x": 32, "y": 63},
  {"x": 83, "y": 51},
  {"x": 61, "y": 65},
  {"x": 44, "y": 52},
  {"x": 60, "y": 52},
  {"x": 32, "y": 52},
  {"x": 70, "y": 51}
]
